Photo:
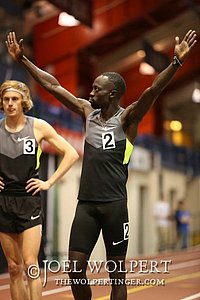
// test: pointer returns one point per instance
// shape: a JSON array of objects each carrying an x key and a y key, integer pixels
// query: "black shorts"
[
  {"x": 91, "y": 218},
  {"x": 19, "y": 213}
]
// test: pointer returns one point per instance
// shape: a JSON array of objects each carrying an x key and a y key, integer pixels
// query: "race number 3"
[
  {"x": 29, "y": 146},
  {"x": 108, "y": 140}
]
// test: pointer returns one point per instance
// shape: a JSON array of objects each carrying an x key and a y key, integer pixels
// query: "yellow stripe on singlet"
[
  {"x": 39, "y": 152},
  {"x": 128, "y": 151}
]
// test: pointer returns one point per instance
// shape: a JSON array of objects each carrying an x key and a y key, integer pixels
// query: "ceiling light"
[
  {"x": 65, "y": 19},
  {"x": 196, "y": 94},
  {"x": 141, "y": 53},
  {"x": 175, "y": 125},
  {"x": 146, "y": 69},
  {"x": 166, "y": 125}
]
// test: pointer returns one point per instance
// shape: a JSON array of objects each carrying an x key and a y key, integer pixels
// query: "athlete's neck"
[
  {"x": 106, "y": 114},
  {"x": 15, "y": 124}
]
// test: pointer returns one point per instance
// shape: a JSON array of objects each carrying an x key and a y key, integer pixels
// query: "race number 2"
[
  {"x": 108, "y": 140},
  {"x": 126, "y": 230}
]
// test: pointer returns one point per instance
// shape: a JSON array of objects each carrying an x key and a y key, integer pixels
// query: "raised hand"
[
  {"x": 15, "y": 49},
  {"x": 182, "y": 49}
]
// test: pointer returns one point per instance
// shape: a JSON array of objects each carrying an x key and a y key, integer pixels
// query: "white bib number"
[
  {"x": 108, "y": 140},
  {"x": 126, "y": 230},
  {"x": 29, "y": 146}
]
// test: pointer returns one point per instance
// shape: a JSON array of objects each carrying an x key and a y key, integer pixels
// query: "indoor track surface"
[{"x": 166, "y": 276}]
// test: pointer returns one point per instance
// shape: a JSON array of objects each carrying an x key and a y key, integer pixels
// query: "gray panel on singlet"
[
  {"x": 95, "y": 127},
  {"x": 11, "y": 144}
]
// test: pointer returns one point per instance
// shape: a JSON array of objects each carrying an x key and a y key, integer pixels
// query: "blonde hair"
[{"x": 19, "y": 87}]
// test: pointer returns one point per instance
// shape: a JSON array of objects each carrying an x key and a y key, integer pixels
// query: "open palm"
[
  {"x": 182, "y": 49},
  {"x": 15, "y": 49}
]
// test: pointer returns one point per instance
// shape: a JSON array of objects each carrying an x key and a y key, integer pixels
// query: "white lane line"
[
  {"x": 195, "y": 296},
  {"x": 55, "y": 291},
  {"x": 4, "y": 287}
]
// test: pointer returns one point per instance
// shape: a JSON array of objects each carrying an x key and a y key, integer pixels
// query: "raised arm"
[
  {"x": 49, "y": 82},
  {"x": 136, "y": 111},
  {"x": 44, "y": 131}
]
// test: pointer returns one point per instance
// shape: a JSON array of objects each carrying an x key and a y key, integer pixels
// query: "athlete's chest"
[
  {"x": 104, "y": 135},
  {"x": 16, "y": 144}
]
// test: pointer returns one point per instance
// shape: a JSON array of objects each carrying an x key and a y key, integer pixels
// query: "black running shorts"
[
  {"x": 91, "y": 218},
  {"x": 19, "y": 213}
]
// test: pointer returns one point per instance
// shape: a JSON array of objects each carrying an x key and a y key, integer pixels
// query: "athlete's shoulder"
[
  {"x": 41, "y": 124},
  {"x": 38, "y": 121},
  {"x": 2, "y": 121},
  {"x": 94, "y": 113}
]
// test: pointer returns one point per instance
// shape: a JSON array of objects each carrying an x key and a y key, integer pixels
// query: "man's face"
[
  {"x": 101, "y": 92},
  {"x": 12, "y": 103}
]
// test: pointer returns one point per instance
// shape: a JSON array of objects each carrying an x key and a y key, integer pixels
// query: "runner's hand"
[
  {"x": 15, "y": 49},
  {"x": 35, "y": 185},
  {"x": 183, "y": 48}
]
